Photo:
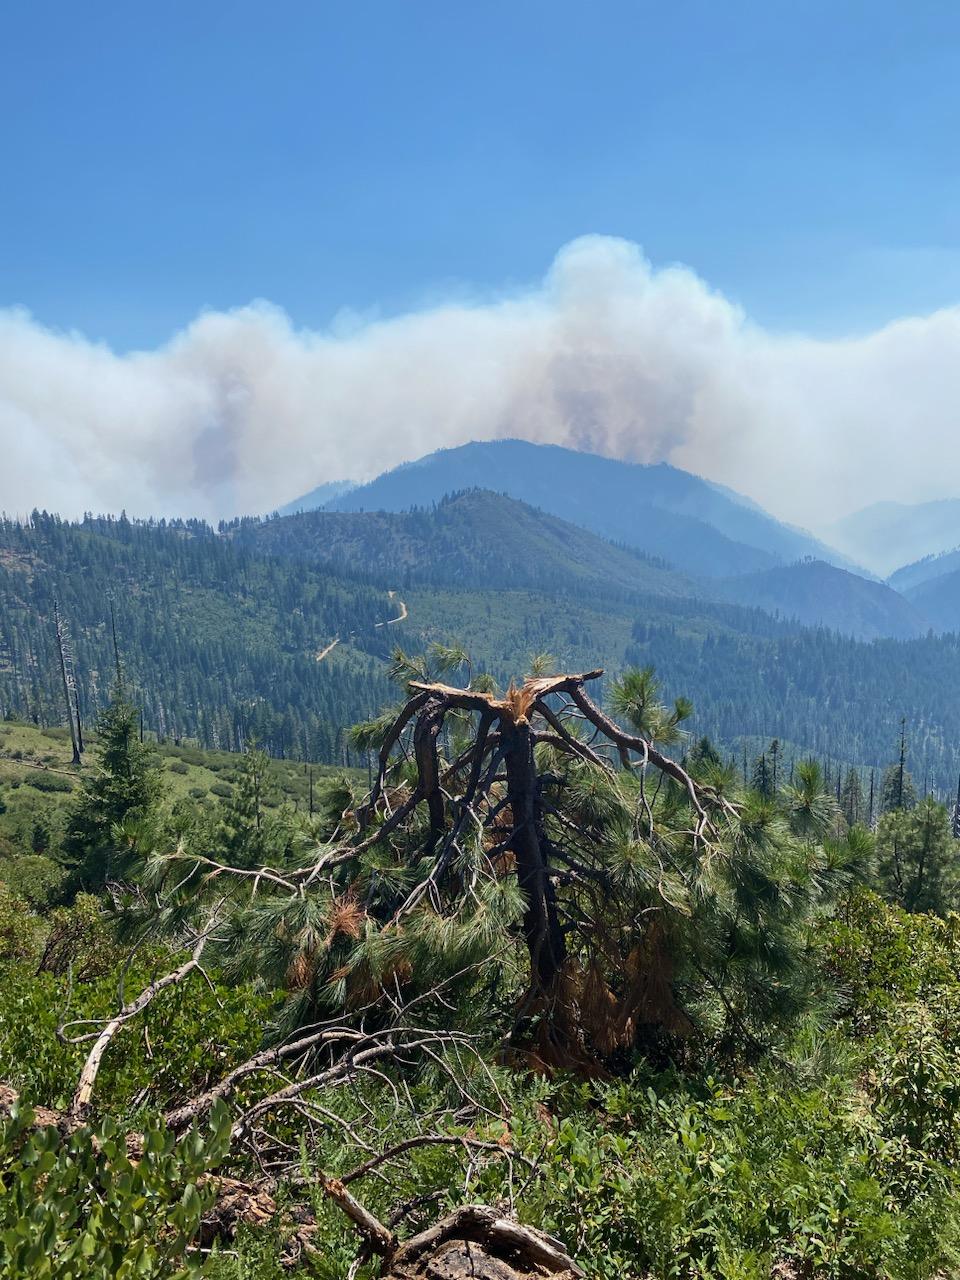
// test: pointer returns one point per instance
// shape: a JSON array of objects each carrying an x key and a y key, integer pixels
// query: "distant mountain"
[
  {"x": 889, "y": 534},
  {"x": 925, "y": 570},
  {"x": 819, "y": 594},
  {"x": 318, "y": 497},
  {"x": 473, "y": 539},
  {"x": 697, "y": 526},
  {"x": 938, "y": 598}
]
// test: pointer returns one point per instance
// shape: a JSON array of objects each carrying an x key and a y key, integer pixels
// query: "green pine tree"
[
  {"x": 897, "y": 789},
  {"x": 115, "y": 817},
  {"x": 249, "y": 836},
  {"x": 763, "y": 776},
  {"x": 918, "y": 860}
]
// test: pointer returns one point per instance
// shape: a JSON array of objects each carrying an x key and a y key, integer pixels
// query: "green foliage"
[
  {"x": 918, "y": 860},
  {"x": 186, "y": 1038},
  {"x": 80, "y": 1208},
  {"x": 46, "y": 781},
  {"x": 897, "y": 789},
  {"x": 113, "y": 818},
  {"x": 885, "y": 958},
  {"x": 21, "y": 930},
  {"x": 635, "y": 696},
  {"x": 79, "y": 940},
  {"x": 736, "y": 1180},
  {"x": 36, "y": 879},
  {"x": 852, "y": 801},
  {"x": 248, "y": 836},
  {"x": 810, "y": 807}
]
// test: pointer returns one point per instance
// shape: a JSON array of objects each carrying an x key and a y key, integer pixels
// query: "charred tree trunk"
[{"x": 541, "y": 922}]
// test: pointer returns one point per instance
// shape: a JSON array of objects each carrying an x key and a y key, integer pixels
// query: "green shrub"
[
  {"x": 181, "y": 1044},
  {"x": 177, "y": 766},
  {"x": 80, "y": 941},
  {"x": 79, "y": 1208},
  {"x": 743, "y": 1182},
  {"x": 222, "y": 789},
  {"x": 21, "y": 930},
  {"x": 44, "y": 780},
  {"x": 34, "y": 878}
]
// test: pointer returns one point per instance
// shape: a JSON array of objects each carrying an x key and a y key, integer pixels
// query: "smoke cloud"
[{"x": 241, "y": 411}]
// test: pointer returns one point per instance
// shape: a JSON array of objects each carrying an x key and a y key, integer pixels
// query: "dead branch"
[{"x": 80, "y": 1104}]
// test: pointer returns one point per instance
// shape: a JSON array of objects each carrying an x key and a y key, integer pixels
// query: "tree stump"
[{"x": 478, "y": 1243}]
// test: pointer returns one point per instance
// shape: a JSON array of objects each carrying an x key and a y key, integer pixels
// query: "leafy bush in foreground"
[{"x": 80, "y": 1208}]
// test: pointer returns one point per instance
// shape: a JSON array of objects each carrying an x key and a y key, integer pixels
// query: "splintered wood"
[{"x": 478, "y": 1243}]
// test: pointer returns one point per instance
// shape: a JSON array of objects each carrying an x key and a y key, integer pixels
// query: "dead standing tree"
[{"x": 68, "y": 679}]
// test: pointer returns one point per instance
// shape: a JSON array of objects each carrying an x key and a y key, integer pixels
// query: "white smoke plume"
[{"x": 240, "y": 411}]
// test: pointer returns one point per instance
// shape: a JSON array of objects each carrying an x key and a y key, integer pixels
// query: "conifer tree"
[
  {"x": 763, "y": 776},
  {"x": 918, "y": 860},
  {"x": 851, "y": 798},
  {"x": 116, "y": 812},
  {"x": 248, "y": 836},
  {"x": 897, "y": 790}
]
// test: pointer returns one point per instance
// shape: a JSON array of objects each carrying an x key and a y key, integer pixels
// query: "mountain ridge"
[
  {"x": 701, "y": 528},
  {"x": 890, "y": 535},
  {"x": 819, "y": 594}
]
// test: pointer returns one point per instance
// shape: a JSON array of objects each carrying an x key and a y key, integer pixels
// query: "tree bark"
[
  {"x": 541, "y": 921},
  {"x": 58, "y": 622},
  {"x": 479, "y": 1243}
]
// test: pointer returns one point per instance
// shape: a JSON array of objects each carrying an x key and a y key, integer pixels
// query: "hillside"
[
  {"x": 700, "y": 528},
  {"x": 220, "y": 643},
  {"x": 887, "y": 535},
  {"x": 37, "y": 781},
  {"x": 822, "y": 595},
  {"x": 474, "y": 539},
  {"x": 939, "y": 599},
  {"x": 222, "y": 638},
  {"x": 317, "y": 497},
  {"x": 913, "y": 575}
]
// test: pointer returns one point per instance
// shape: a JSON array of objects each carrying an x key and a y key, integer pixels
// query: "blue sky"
[{"x": 158, "y": 159}]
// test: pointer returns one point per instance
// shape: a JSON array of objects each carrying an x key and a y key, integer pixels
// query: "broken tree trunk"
[
  {"x": 541, "y": 922},
  {"x": 479, "y": 1243}
]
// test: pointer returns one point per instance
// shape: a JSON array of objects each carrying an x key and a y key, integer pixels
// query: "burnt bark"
[{"x": 541, "y": 921}]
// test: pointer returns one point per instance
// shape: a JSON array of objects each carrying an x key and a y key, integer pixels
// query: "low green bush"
[
  {"x": 80, "y": 1208},
  {"x": 182, "y": 1043},
  {"x": 33, "y": 877},
  {"x": 44, "y": 780}
]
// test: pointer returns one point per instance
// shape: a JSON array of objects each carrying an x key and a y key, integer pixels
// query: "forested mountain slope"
[
  {"x": 473, "y": 539},
  {"x": 820, "y": 594},
  {"x": 221, "y": 636},
  {"x": 938, "y": 598},
  {"x": 220, "y": 643},
  {"x": 699, "y": 527},
  {"x": 317, "y": 497},
  {"x": 910, "y": 576}
]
